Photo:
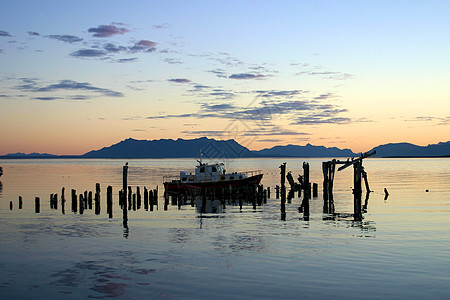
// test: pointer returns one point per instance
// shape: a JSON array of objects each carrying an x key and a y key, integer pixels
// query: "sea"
[{"x": 400, "y": 249}]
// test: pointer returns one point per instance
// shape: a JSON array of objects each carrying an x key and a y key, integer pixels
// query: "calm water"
[{"x": 400, "y": 250}]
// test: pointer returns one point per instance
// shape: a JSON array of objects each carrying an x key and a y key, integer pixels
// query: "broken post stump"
[
  {"x": 315, "y": 190},
  {"x": 37, "y": 205}
]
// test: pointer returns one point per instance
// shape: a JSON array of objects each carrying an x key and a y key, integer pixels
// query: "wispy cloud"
[
  {"x": 126, "y": 60},
  {"x": 88, "y": 53},
  {"x": 103, "y": 31},
  {"x": 162, "y": 26},
  {"x": 179, "y": 80},
  {"x": 144, "y": 46},
  {"x": 31, "y": 85},
  {"x": 438, "y": 120},
  {"x": 48, "y": 98},
  {"x": 328, "y": 75},
  {"x": 173, "y": 61},
  {"x": 246, "y": 76},
  {"x": 65, "y": 38},
  {"x": 5, "y": 33},
  {"x": 33, "y": 33},
  {"x": 110, "y": 47}
]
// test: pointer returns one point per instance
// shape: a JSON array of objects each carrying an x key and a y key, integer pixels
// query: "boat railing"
[{"x": 175, "y": 178}]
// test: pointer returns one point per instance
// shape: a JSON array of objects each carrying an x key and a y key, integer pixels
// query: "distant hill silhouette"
[
  {"x": 211, "y": 148},
  {"x": 168, "y": 148},
  {"x": 410, "y": 150},
  {"x": 305, "y": 151},
  {"x": 31, "y": 155}
]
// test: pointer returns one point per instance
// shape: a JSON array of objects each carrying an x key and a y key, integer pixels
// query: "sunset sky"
[{"x": 80, "y": 75}]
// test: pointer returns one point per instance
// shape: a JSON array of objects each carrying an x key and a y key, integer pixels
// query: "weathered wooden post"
[
  {"x": 138, "y": 197},
  {"x": 51, "y": 201},
  {"x": 10, "y": 205},
  {"x": 109, "y": 200},
  {"x": 366, "y": 182},
  {"x": 307, "y": 192},
  {"x": 134, "y": 201},
  {"x": 357, "y": 190},
  {"x": 74, "y": 200},
  {"x": 145, "y": 198},
  {"x": 85, "y": 198},
  {"x": 63, "y": 198},
  {"x": 283, "y": 174},
  {"x": 20, "y": 202},
  {"x": 97, "y": 188},
  {"x": 124, "y": 196},
  {"x": 55, "y": 201},
  {"x": 155, "y": 197},
  {"x": 81, "y": 201},
  {"x": 37, "y": 205},
  {"x": 130, "y": 197},
  {"x": 97, "y": 203},
  {"x": 166, "y": 200},
  {"x": 325, "y": 168},
  {"x": 90, "y": 199},
  {"x": 151, "y": 199},
  {"x": 277, "y": 192},
  {"x": 315, "y": 190},
  {"x": 268, "y": 192}
]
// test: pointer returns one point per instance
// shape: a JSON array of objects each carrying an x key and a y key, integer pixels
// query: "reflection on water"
[{"x": 206, "y": 248}]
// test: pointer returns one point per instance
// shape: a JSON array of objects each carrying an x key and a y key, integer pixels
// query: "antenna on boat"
[{"x": 201, "y": 155}]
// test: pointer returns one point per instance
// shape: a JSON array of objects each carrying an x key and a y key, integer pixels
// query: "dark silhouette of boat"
[{"x": 211, "y": 176}]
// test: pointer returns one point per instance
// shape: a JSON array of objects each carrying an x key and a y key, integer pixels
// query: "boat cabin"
[{"x": 214, "y": 172}]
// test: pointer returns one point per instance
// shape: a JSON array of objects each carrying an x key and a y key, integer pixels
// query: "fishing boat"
[{"x": 211, "y": 176}]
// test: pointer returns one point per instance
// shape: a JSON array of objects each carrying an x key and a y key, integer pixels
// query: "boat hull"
[{"x": 178, "y": 186}]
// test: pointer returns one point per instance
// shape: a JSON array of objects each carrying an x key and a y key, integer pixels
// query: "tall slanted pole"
[
  {"x": 124, "y": 195},
  {"x": 307, "y": 191}
]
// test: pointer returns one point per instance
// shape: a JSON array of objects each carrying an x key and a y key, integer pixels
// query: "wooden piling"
[
  {"x": 268, "y": 192},
  {"x": 307, "y": 192},
  {"x": 357, "y": 191},
  {"x": 20, "y": 202},
  {"x": 366, "y": 182},
  {"x": 124, "y": 198},
  {"x": 138, "y": 197},
  {"x": 109, "y": 201},
  {"x": 134, "y": 201},
  {"x": 63, "y": 199},
  {"x": 277, "y": 192},
  {"x": 81, "y": 204},
  {"x": 315, "y": 190},
  {"x": 74, "y": 200},
  {"x": 55, "y": 201},
  {"x": 90, "y": 199},
  {"x": 151, "y": 198},
  {"x": 283, "y": 174},
  {"x": 130, "y": 197},
  {"x": 37, "y": 205},
  {"x": 145, "y": 198},
  {"x": 10, "y": 205},
  {"x": 97, "y": 203}
]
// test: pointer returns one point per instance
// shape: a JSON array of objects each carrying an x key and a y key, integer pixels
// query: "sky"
[{"x": 81, "y": 75}]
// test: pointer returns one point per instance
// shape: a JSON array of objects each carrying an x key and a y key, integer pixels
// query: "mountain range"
[{"x": 211, "y": 148}]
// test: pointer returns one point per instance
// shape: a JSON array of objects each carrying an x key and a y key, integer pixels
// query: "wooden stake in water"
[
  {"x": 37, "y": 205},
  {"x": 124, "y": 196}
]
